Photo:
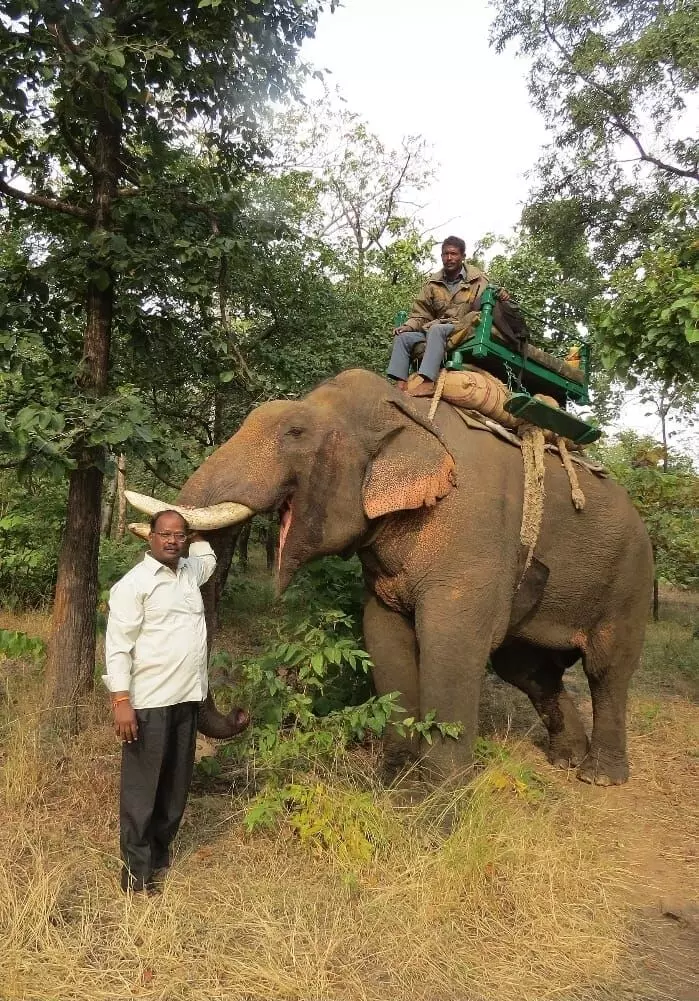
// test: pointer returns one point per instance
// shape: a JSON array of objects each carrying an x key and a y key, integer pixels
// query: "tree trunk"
[
  {"x": 108, "y": 507},
  {"x": 71, "y": 654},
  {"x": 656, "y": 595},
  {"x": 243, "y": 543},
  {"x": 121, "y": 494},
  {"x": 271, "y": 543},
  {"x": 663, "y": 430},
  {"x": 71, "y": 649}
]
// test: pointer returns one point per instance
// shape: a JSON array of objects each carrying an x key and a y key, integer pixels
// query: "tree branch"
[
  {"x": 79, "y": 154},
  {"x": 613, "y": 113},
  {"x": 44, "y": 202},
  {"x": 65, "y": 43},
  {"x": 154, "y": 471}
]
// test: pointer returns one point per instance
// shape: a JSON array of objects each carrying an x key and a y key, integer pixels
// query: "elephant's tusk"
[
  {"x": 204, "y": 519},
  {"x": 140, "y": 529}
]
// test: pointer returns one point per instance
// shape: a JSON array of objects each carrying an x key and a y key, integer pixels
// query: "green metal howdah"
[{"x": 535, "y": 371}]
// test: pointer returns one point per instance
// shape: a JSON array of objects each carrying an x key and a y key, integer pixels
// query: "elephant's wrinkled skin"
[{"x": 434, "y": 512}]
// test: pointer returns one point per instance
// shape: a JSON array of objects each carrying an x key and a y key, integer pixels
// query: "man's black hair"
[
  {"x": 154, "y": 519},
  {"x": 455, "y": 241}
]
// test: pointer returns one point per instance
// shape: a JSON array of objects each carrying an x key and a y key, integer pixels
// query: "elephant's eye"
[{"x": 295, "y": 432}]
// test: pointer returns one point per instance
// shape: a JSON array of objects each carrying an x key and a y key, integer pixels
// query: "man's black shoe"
[{"x": 131, "y": 883}]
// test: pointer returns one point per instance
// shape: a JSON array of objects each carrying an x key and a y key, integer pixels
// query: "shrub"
[{"x": 31, "y": 523}]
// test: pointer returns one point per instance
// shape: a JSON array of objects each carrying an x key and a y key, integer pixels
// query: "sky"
[{"x": 424, "y": 67}]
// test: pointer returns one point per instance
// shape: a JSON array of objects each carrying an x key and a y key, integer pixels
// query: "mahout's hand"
[{"x": 400, "y": 330}]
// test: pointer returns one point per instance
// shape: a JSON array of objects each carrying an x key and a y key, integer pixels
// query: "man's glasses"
[{"x": 168, "y": 536}]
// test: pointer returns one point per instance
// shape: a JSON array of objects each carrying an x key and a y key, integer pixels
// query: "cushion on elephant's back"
[{"x": 480, "y": 391}]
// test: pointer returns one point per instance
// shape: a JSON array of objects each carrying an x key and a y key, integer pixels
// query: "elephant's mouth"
[{"x": 286, "y": 516}]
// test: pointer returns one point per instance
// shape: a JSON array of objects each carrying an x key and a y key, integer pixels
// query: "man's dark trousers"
[{"x": 156, "y": 772}]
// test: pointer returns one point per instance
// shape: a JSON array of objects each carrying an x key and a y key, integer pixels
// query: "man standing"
[
  {"x": 441, "y": 308},
  {"x": 156, "y": 671}
]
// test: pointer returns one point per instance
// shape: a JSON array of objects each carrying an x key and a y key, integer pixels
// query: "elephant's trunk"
[{"x": 214, "y": 724}]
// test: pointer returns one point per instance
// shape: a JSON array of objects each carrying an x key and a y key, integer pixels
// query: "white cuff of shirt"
[{"x": 117, "y": 682}]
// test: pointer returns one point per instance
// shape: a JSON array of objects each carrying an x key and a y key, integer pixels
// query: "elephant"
[{"x": 433, "y": 510}]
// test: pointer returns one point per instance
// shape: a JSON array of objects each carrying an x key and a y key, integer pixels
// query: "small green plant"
[
  {"x": 345, "y": 823},
  {"x": 427, "y": 727},
  {"x": 19, "y": 646},
  {"x": 300, "y": 688},
  {"x": 311, "y": 697},
  {"x": 503, "y": 772}
]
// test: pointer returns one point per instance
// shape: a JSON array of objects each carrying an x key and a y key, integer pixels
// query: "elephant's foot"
[
  {"x": 568, "y": 751},
  {"x": 603, "y": 769},
  {"x": 398, "y": 758},
  {"x": 568, "y": 743},
  {"x": 446, "y": 760}
]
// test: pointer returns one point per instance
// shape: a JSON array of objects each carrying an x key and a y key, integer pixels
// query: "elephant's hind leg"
[
  {"x": 539, "y": 674},
  {"x": 609, "y": 661},
  {"x": 390, "y": 639}
]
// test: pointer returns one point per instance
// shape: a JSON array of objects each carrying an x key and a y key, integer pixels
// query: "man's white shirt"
[{"x": 155, "y": 645}]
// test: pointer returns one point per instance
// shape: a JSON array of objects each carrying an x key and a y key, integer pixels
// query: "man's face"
[
  {"x": 168, "y": 540},
  {"x": 452, "y": 259}
]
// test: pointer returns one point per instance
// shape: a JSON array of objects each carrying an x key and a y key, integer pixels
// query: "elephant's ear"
[{"x": 412, "y": 469}]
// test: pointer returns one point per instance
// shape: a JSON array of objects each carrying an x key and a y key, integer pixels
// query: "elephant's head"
[{"x": 350, "y": 452}]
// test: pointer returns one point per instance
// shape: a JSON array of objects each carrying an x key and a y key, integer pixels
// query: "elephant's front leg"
[
  {"x": 390, "y": 639},
  {"x": 455, "y": 637}
]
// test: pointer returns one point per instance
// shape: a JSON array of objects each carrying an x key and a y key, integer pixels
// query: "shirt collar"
[
  {"x": 154, "y": 565},
  {"x": 461, "y": 277},
  {"x": 468, "y": 274}
]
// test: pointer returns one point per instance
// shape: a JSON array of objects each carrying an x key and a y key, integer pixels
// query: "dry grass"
[{"x": 513, "y": 889}]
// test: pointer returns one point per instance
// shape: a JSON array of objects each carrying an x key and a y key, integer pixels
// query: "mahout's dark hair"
[
  {"x": 154, "y": 519},
  {"x": 454, "y": 241}
]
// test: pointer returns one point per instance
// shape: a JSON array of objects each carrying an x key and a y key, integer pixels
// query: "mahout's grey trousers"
[
  {"x": 403, "y": 344},
  {"x": 156, "y": 772}
]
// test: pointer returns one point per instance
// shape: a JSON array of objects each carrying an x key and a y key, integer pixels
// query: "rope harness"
[{"x": 531, "y": 440}]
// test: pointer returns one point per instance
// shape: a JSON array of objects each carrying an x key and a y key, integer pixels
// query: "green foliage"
[
  {"x": 299, "y": 688},
  {"x": 649, "y": 328},
  {"x": 503, "y": 772},
  {"x": 667, "y": 501},
  {"x": 310, "y": 689},
  {"x": 19, "y": 646},
  {"x": 116, "y": 557},
  {"x": 555, "y": 291},
  {"x": 328, "y": 583},
  {"x": 613, "y": 81},
  {"x": 345, "y": 823},
  {"x": 427, "y": 727},
  {"x": 31, "y": 522},
  {"x": 162, "y": 106}
]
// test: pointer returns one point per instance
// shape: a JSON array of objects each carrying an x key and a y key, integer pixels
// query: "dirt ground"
[{"x": 651, "y": 824}]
